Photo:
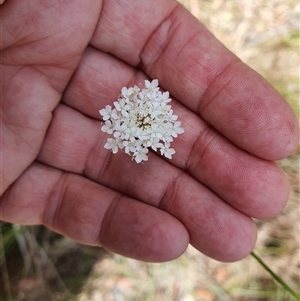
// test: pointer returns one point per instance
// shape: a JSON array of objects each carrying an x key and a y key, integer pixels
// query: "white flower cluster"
[{"x": 141, "y": 119}]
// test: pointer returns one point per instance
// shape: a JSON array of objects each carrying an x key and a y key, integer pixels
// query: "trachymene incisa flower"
[{"x": 139, "y": 120}]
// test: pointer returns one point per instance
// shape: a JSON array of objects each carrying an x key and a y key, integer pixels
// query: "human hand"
[{"x": 62, "y": 61}]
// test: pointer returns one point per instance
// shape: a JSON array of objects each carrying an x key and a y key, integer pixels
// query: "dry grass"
[{"x": 264, "y": 34}]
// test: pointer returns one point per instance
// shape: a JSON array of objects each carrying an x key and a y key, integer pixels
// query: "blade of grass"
[
  {"x": 4, "y": 271},
  {"x": 285, "y": 286}
]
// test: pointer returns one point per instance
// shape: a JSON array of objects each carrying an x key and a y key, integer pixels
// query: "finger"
[
  {"x": 92, "y": 214},
  {"x": 254, "y": 186},
  {"x": 74, "y": 143},
  {"x": 200, "y": 72}
]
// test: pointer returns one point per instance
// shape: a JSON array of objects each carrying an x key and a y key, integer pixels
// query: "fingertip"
[
  {"x": 275, "y": 196},
  {"x": 286, "y": 134},
  {"x": 243, "y": 246},
  {"x": 235, "y": 243},
  {"x": 142, "y": 232}
]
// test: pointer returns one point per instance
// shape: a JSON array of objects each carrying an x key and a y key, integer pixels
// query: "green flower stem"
[{"x": 285, "y": 286}]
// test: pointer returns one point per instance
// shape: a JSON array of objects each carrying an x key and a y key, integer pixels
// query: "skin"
[{"x": 62, "y": 61}]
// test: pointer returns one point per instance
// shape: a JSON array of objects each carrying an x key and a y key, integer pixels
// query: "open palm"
[{"x": 62, "y": 61}]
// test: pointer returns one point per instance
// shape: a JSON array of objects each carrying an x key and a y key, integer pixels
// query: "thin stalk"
[{"x": 285, "y": 286}]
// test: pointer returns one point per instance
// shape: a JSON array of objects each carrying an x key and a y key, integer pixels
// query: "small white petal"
[
  {"x": 114, "y": 114},
  {"x": 169, "y": 152}
]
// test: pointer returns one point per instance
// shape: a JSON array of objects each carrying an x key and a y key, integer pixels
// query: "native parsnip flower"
[{"x": 141, "y": 119}]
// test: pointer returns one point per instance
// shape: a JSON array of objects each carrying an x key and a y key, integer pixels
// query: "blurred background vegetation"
[{"x": 37, "y": 264}]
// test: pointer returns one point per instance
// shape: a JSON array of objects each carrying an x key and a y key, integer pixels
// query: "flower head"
[{"x": 141, "y": 119}]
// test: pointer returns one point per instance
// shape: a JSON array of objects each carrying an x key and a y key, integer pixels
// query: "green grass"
[{"x": 277, "y": 278}]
